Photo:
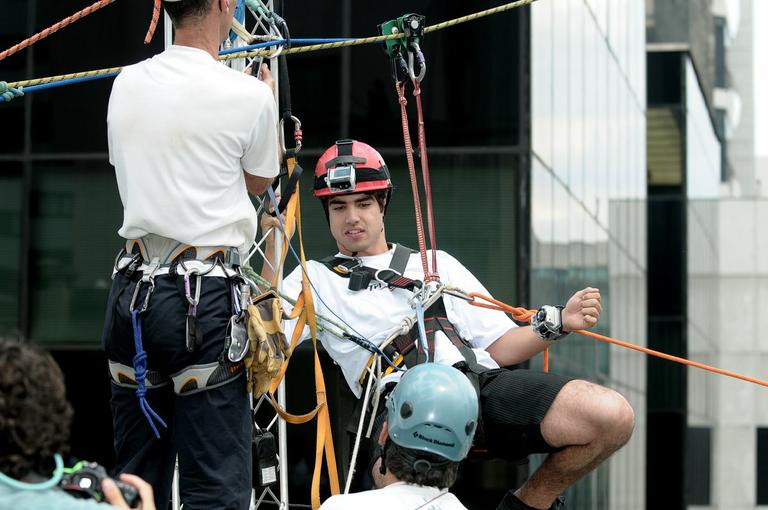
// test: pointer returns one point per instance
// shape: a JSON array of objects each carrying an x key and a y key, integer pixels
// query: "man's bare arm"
[
  {"x": 256, "y": 185},
  {"x": 520, "y": 344}
]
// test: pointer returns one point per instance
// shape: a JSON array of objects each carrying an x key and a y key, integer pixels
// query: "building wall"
[
  {"x": 702, "y": 177},
  {"x": 741, "y": 138},
  {"x": 588, "y": 191},
  {"x": 743, "y": 347}
]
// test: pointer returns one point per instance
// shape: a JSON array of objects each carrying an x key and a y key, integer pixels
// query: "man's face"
[{"x": 357, "y": 224}]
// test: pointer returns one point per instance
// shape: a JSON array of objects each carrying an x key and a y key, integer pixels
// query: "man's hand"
[
  {"x": 264, "y": 75},
  {"x": 269, "y": 225},
  {"x": 115, "y": 497},
  {"x": 583, "y": 310}
]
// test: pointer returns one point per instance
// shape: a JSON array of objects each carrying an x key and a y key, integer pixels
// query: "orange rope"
[
  {"x": 524, "y": 315},
  {"x": 55, "y": 27},
  {"x": 153, "y": 23}
]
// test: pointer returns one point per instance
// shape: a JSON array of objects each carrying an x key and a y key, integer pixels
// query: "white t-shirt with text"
[
  {"x": 374, "y": 313},
  {"x": 182, "y": 127}
]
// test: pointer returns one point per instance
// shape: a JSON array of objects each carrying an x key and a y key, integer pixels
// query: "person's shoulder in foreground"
[{"x": 397, "y": 495}]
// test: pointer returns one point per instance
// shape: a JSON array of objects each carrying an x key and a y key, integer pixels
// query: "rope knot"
[{"x": 8, "y": 93}]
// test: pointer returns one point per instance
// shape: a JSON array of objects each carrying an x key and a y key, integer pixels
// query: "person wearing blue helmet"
[{"x": 429, "y": 428}]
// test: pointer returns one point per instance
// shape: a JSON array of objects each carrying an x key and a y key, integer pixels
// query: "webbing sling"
[
  {"x": 304, "y": 313},
  {"x": 362, "y": 275}
]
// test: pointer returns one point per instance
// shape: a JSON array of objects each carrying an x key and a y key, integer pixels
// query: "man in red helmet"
[{"x": 579, "y": 424}]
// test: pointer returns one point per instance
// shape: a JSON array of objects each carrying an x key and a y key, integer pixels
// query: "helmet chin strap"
[{"x": 382, "y": 456}]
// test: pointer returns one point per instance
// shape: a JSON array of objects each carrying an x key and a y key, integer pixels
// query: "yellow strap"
[{"x": 304, "y": 313}]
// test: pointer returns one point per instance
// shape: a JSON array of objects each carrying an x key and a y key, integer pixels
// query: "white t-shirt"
[
  {"x": 400, "y": 495},
  {"x": 182, "y": 127},
  {"x": 376, "y": 312}
]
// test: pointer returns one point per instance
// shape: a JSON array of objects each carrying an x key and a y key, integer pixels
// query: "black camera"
[{"x": 83, "y": 481}]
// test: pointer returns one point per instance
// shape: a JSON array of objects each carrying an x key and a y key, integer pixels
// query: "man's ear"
[{"x": 383, "y": 434}]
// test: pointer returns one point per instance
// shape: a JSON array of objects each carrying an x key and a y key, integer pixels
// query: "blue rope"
[
  {"x": 58, "y": 472},
  {"x": 71, "y": 81},
  {"x": 43, "y": 86},
  {"x": 10, "y": 93},
  {"x": 281, "y": 42},
  {"x": 140, "y": 368}
]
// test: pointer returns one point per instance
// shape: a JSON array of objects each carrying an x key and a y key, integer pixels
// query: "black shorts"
[{"x": 513, "y": 404}]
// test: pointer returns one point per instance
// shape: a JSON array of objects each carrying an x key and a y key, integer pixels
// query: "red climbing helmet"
[{"x": 349, "y": 166}]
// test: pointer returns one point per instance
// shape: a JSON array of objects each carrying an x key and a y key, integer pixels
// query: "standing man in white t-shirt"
[
  {"x": 578, "y": 423},
  {"x": 189, "y": 139},
  {"x": 431, "y": 418}
]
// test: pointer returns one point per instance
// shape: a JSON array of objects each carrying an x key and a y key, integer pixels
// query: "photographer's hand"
[{"x": 115, "y": 498}]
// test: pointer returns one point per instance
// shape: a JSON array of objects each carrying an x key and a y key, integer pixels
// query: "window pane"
[
  {"x": 762, "y": 466},
  {"x": 474, "y": 230},
  {"x": 698, "y": 468},
  {"x": 10, "y": 246},
  {"x": 76, "y": 212}
]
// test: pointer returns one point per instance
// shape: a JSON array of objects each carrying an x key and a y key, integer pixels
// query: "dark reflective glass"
[{"x": 76, "y": 212}]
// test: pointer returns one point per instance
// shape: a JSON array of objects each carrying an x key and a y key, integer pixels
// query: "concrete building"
[{"x": 703, "y": 176}]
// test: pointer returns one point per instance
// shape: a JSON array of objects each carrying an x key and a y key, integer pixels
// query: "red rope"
[
  {"x": 153, "y": 23},
  {"x": 414, "y": 181},
  {"x": 434, "y": 276},
  {"x": 54, "y": 28}
]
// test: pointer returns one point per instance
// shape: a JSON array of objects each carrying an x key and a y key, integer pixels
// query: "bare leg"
[{"x": 589, "y": 422}]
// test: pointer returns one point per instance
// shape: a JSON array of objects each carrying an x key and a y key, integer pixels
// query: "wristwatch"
[{"x": 548, "y": 323}]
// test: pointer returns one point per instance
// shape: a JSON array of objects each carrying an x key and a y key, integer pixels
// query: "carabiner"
[
  {"x": 418, "y": 56},
  {"x": 193, "y": 301},
  {"x": 298, "y": 136},
  {"x": 135, "y": 296}
]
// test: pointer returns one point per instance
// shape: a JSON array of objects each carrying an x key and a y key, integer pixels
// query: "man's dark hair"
[
  {"x": 400, "y": 462},
  {"x": 186, "y": 10},
  {"x": 380, "y": 195},
  {"x": 34, "y": 413}
]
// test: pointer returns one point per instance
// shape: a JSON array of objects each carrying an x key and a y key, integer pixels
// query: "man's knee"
[
  {"x": 585, "y": 412},
  {"x": 619, "y": 417}
]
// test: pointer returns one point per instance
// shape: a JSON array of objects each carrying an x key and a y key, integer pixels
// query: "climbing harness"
[{"x": 185, "y": 264}]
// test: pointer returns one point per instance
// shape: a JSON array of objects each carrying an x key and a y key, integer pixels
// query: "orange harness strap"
[{"x": 304, "y": 311}]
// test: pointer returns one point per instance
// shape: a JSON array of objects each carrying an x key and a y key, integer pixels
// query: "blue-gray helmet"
[{"x": 433, "y": 409}]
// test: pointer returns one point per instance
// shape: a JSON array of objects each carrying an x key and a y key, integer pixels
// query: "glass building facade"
[
  {"x": 536, "y": 129},
  {"x": 588, "y": 204}
]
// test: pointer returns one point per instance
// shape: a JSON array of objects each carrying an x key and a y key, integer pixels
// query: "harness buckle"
[{"x": 347, "y": 267}]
